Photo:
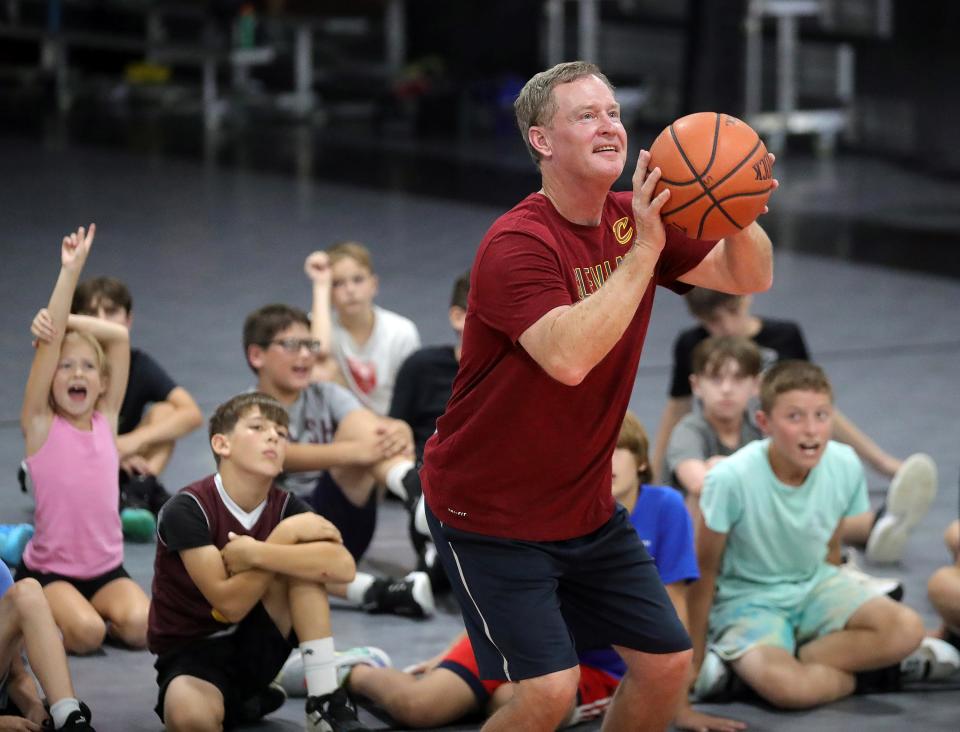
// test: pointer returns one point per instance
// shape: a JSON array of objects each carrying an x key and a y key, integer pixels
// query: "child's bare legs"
[
  {"x": 358, "y": 482},
  {"x": 81, "y": 625},
  {"x": 193, "y": 705},
  {"x": 437, "y": 698},
  {"x": 880, "y": 633},
  {"x": 951, "y": 537},
  {"x": 126, "y": 607},
  {"x": 24, "y": 613},
  {"x": 943, "y": 590},
  {"x": 855, "y": 530}
]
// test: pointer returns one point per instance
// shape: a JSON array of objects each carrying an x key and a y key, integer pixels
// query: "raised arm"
[
  {"x": 35, "y": 413},
  {"x": 317, "y": 269},
  {"x": 570, "y": 340},
  {"x": 115, "y": 340}
]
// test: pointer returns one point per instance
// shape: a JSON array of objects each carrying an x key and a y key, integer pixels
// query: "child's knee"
[
  {"x": 27, "y": 598},
  {"x": 181, "y": 715},
  {"x": 131, "y": 626},
  {"x": 84, "y": 634}
]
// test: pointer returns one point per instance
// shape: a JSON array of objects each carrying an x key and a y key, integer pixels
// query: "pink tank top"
[{"x": 77, "y": 492}]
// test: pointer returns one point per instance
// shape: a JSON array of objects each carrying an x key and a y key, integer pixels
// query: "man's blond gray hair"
[{"x": 535, "y": 105}]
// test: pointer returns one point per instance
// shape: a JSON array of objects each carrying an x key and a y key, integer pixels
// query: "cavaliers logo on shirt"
[{"x": 623, "y": 231}]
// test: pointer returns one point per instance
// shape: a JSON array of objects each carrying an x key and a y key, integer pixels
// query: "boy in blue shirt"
[{"x": 25, "y": 618}]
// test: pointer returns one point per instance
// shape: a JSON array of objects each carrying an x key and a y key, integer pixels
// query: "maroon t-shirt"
[
  {"x": 517, "y": 454},
  {"x": 195, "y": 517}
]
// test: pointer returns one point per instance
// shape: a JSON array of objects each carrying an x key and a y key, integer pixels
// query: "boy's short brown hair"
[
  {"x": 354, "y": 250},
  {"x": 792, "y": 376},
  {"x": 461, "y": 288},
  {"x": 263, "y": 324},
  {"x": 702, "y": 303},
  {"x": 712, "y": 353},
  {"x": 226, "y": 416},
  {"x": 92, "y": 291},
  {"x": 633, "y": 437},
  {"x": 535, "y": 105}
]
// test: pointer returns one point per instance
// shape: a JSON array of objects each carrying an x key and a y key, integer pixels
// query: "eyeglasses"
[{"x": 293, "y": 345}]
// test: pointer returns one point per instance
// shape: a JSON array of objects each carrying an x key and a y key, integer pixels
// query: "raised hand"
[
  {"x": 317, "y": 268},
  {"x": 42, "y": 328},
  {"x": 771, "y": 159},
  {"x": 646, "y": 206},
  {"x": 76, "y": 247}
]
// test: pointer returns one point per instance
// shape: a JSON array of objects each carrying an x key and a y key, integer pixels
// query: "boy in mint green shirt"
[{"x": 768, "y": 605}]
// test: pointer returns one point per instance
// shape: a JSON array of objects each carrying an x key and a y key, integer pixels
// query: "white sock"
[
  {"x": 395, "y": 479},
  {"x": 59, "y": 711},
  {"x": 319, "y": 666},
  {"x": 358, "y": 588},
  {"x": 420, "y": 518}
]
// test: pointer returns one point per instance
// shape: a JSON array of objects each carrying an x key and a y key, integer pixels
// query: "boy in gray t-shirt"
[{"x": 340, "y": 454}]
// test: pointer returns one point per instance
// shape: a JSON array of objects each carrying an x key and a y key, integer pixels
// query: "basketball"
[{"x": 717, "y": 171}]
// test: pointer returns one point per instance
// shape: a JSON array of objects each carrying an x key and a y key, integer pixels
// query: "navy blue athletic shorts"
[
  {"x": 530, "y": 606},
  {"x": 356, "y": 523}
]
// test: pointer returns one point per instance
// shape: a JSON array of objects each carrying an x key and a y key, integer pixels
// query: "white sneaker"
[
  {"x": 360, "y": 655},
  {"x": 713, "y": 679},
  {"x": 889, "y": 586},
  {"x": 292, "y": 678},
  {"x": 909, "y": 496},
  {"x": 934, "y": 660}
]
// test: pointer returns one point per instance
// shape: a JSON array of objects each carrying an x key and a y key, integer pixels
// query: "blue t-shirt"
[
  {"x": 6, "y": 579},
  {"x": 664, "y": 526}
]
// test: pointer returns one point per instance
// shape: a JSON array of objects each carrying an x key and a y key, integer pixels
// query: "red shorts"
[{"x": 593, "y": 693}]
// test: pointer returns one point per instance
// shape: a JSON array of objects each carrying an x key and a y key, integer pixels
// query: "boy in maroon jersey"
[{"x": 239, "y": 577}]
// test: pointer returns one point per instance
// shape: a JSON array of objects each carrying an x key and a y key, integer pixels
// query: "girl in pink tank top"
[{"x": 69, "y": 421}]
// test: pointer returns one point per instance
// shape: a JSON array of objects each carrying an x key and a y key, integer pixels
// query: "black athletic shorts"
[
  {"x": 241, "y": 663},
  {"x": 356, "y": 523},
  {"x": 86, "y": 587},
  {"x": 530, "y": 606}
]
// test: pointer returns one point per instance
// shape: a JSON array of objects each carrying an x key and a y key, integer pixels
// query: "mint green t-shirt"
[{"x": 777, "y": 534}]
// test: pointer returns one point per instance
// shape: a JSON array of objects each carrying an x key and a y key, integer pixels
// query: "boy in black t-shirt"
[
  {"x": 239, "y": 577},
  {"x": 425, "y": 380}
]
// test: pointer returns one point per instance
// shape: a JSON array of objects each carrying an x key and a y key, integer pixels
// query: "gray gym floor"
[{"x": 201, "y": 246}]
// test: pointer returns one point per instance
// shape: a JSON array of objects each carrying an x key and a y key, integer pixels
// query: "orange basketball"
[{"x": 717, "y": 171}]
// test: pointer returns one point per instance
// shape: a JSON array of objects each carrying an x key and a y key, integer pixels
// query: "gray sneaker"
[{"x": 909, "y": 496}]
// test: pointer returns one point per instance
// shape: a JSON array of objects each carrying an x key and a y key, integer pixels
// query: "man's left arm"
[{"x": 739, "y": 264}]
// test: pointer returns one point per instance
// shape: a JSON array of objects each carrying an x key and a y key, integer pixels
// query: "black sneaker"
[
  {"x": 332, "y": 713},
  {"x": 79, "y": 719},
  {"x": 259, "y": 706},
  {"x": 411, "y": 484},
  {"x": 429, "y": 562},
  {"x": 410, "y": 597}
]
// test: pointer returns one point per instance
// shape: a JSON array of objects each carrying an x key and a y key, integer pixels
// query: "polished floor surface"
[{"x": 868, "y": 261}]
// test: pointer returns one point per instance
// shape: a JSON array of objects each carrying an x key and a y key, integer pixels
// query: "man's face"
[
  {"x": 585, "y": 139},
  {"x": 799, "y": 425},
  {"x": 726, "y": 392}
]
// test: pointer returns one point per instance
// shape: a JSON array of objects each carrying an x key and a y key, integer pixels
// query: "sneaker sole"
[{"x": 913, "y": 489}]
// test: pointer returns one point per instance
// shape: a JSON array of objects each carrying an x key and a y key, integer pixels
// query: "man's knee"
[
  {"x": 556, "y": 691},
  {"x": 669, "y": 669}
]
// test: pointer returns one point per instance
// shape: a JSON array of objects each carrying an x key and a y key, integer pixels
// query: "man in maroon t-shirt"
[{"x": 517, "y": 478}]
